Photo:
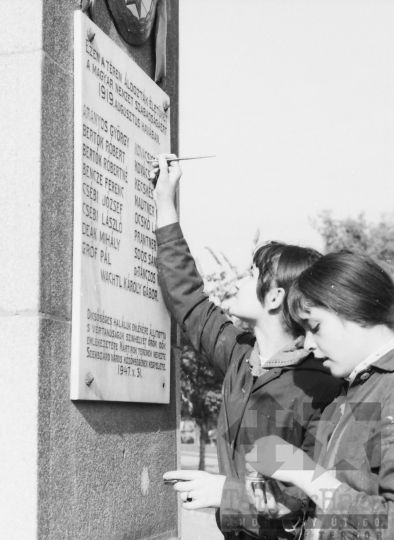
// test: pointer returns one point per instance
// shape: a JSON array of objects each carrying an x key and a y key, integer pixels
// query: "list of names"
[{"x": 120, "y": 326}]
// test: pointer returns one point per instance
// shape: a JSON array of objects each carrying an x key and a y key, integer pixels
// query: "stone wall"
[{"x": 69, "y": 470}]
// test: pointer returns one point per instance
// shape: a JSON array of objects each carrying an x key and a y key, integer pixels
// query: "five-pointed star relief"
[{"x": 137, "y": 4}]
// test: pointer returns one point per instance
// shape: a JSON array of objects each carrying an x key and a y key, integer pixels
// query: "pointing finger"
[{"x": 181, "y": 475}]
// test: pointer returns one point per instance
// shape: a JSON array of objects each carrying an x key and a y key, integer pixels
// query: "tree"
[
  {"x": 356, "y": 234},
  {"x": 200, "y": 383},
  {"x": 201, "y": 392}
]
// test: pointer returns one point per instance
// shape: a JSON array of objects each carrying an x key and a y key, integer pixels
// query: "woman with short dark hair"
[
  {"x": 345, "y": 303},
  {"x": 271, "y": 385}
]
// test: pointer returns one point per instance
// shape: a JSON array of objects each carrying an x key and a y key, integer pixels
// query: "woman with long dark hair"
[
  {"x": 345, "y": 303},
  {"x": 271, "y": 385}
]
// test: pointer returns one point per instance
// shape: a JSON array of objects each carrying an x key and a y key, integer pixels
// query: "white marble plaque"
[{"x": 120, "y": 325}]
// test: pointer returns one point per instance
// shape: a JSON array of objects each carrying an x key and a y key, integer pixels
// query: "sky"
[{"x": 296, "y": 100}]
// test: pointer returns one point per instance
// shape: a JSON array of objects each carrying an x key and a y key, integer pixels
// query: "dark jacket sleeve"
[
  {"x": 210, "y": 331},
  {"x": 357, "y": 510}
]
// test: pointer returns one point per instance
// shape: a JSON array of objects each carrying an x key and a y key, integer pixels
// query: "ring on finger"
[{"x": 188, "y": 498}]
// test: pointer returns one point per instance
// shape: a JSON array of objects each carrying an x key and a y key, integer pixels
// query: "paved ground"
[{"x": 199, "y": 524}]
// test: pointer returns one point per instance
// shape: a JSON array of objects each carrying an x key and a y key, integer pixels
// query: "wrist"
[{"x": 165, "y": 200}]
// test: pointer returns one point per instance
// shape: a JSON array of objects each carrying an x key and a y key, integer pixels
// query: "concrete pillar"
[{"x": 69, "y": 470}]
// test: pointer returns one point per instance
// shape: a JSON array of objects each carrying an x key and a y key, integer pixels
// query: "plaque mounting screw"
[
  {"x": 166, "y": 105},
  {"x": 89, "y": 379},
  {"x": 90, "y": 35}
]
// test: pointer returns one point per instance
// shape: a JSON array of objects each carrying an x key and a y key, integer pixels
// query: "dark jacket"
[
  {"x": 287, "y": 400},
  {"x": 362, "y": 454}
]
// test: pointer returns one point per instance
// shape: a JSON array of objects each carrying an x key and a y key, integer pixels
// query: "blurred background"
[{"x": 295, "y": 98}]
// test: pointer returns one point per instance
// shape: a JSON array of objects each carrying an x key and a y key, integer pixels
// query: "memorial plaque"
[{"x": 120, "y": 325}]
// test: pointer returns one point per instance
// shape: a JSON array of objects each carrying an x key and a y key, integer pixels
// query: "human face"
[
  {"x": 341, "y": 343},
  {"x": 246, "y": 305}
]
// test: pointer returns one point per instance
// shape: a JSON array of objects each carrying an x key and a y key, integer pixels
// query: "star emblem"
[{"x": 137, "y": 4}]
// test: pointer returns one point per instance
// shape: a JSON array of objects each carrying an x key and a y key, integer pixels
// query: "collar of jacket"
[
  {"x": 385, "y": 363},
  {"x": 292, "y": 354}
]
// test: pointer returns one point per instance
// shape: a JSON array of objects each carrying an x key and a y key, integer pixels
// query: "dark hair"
[
  {"x": 351, "y": 285},
  {"x": 279, "y": 265}
]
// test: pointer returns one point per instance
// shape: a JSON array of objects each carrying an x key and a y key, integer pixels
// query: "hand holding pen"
[
  {"x": 171, "y": 158},
  {"x": 165, "y": 177},
  {"x": 170, "y": 173}
]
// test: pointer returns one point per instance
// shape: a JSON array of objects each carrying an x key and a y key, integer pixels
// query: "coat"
[
  {"x": 361, "y": 451},
  {"x": 287, "y": 400}
]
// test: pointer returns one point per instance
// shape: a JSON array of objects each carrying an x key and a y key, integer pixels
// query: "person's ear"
[{"x": 275, "y": 298}]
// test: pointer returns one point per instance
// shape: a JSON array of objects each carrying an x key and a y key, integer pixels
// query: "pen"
[
  {"x": 178, "y": 159},
  {"x": 172, "y": 482}
]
